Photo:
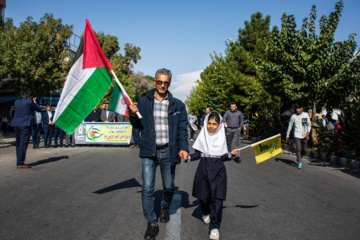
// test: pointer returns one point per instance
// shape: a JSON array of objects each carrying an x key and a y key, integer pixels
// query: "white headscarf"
[{"x": 211, "y": 143}]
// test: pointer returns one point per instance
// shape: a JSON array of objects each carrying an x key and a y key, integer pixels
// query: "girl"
[{"x": 210, "y": 177}]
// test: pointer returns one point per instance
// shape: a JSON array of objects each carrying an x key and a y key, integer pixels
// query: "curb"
[
  {"x": 332, "y": 159},
  {"x": 335, "y": 160}
]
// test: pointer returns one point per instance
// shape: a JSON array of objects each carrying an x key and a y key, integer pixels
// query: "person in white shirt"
[{"x": 302, "y": 126}]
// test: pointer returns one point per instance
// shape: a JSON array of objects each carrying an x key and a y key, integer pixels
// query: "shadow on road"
[
  {"x": 131, "y": 183},
  {"x": 49, "y": 160},
  {"x": 290, "y": 162}
]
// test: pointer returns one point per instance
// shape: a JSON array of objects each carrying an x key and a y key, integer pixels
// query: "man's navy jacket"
[
  {"x": 24, "y": 112},
  {"x": 46, "y": 120},
  {"x": 177, "y": 119}
]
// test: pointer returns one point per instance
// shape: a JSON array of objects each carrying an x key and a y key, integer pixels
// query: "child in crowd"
[{"x": 210, "y": 182}]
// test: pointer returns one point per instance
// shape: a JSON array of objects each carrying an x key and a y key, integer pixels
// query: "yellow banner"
[{"x": 267, "y": 148}]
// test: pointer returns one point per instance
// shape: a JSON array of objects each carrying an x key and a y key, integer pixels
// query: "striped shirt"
[{"x": 161, "y": 120}]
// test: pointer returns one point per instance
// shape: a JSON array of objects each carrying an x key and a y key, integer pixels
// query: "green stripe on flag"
[
  {"x": 85, "y": 100},
  {"x": 115, "y": 98}
]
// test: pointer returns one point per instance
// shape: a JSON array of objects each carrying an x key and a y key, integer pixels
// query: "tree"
[
  {"x": 232, "y": 77},
  {"x": 309, "y": 68},
  {"x": 34, "y": 54}
]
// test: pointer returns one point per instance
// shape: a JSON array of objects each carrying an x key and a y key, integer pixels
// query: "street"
[{"x": 95, "y": 193}]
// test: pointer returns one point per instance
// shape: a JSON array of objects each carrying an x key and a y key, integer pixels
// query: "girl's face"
[{"x": 212, "y": 125}]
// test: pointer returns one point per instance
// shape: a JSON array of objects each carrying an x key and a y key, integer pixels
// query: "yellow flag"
[{"x": 267, "y": 148}]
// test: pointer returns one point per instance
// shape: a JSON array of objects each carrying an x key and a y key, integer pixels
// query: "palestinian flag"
[
  {"x": 86, "y": 84},
  {"x": 119, "y": 101}
]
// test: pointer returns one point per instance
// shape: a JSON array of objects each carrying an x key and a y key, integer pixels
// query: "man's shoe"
[
  {"x": 67, "y": 146},
  {"x": 24, "y": 166},
  {"x": 46, "y": 146},
  {"x": 206, "y": 219},
  {"x": 214, "y": 234},
  {"x": 164, "y": 215},
  {"x": 299, "y": 165},
  {"x": 191, "y": 140},
  {"x": 54, "y": 146},
  {"x": 151, "y": 232}
]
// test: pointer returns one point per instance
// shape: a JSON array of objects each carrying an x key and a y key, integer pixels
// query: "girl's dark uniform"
[{"x": 210, "y": 184}]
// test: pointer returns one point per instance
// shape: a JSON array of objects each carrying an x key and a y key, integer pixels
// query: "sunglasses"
[{"x": 159, "y": 82}]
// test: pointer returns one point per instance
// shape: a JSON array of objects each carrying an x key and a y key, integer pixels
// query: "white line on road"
[{"x": 173, "y": 227}]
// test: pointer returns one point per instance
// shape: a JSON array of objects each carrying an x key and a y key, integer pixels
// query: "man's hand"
[
  {"x": 183, "y": 155},
  {"x": 287, "y": 138},
  {"x": 308, "y": 135},
  {"x": 133, "y": 108},
  {"x": 234, "y": 152}
]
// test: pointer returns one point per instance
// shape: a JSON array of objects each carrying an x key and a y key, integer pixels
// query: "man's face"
[
  {"x": 299, "y": 110},
  {"x": 34, "y": 98},
  {"x": 103, "y": 106},
  {"x": 107, "y": 106},
  {"x": 192, "y": 113},
  {"x": 162, "y": 83},
  {"x": 233, "y": 107},
  {"x": 48, "y": 108},
  {"x": 207, "y": 110}
]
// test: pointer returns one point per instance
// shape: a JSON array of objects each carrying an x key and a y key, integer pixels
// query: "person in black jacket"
[
  {"x": 23, "y": 120},
  {"x": 94, "y": 116},
  {"x": 164, "y": 139}
]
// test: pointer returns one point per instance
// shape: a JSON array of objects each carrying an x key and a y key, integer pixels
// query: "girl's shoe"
[
  {"x": 299, "y": 166},
  {"x": 214, "y": 234},
  {"x": 206, "y": 219}
]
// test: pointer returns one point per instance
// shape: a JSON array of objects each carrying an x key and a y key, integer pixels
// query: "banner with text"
[{"x": 103, "y": 133}]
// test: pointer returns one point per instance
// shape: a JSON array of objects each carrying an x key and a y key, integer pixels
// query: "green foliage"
[
  {"x": 350, "y": 127},
  {"x": 304, "y": 67},
  {"x": 233, "y": 78},
  {"x": 34, "y": 54}
]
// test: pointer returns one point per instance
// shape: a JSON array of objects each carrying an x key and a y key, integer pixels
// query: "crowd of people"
[{"x": 164, "y": 142}]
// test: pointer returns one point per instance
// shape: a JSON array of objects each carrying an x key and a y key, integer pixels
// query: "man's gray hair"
[{"x": 164, "y": 71}]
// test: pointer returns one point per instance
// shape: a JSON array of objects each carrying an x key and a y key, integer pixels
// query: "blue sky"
[{"x": 178, "y": 35}]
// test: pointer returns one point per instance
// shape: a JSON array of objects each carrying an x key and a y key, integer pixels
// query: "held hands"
[
  {"x": 133, "y": 108},
  {"x": 234, "y": 152},
  {"x": 184, "y": 155}
]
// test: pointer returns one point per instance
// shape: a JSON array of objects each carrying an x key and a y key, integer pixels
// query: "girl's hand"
[{"x": 234, "y": 152}]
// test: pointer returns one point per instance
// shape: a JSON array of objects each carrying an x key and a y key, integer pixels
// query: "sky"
[{"x": 178, "y": 35}]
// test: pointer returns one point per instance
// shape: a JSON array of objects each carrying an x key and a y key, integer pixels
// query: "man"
[
  {"x": 94, "y": 116},
  {"x": 24, "y": 118},
  {"x": 302, "y": 126},
  {"x": 234, "y": 122},
  {"x": 324, "y": 121},
  {"x": 36, "y": 128},
  {"x": 207, "y": 111},
  {"x": 106, "y": 115},
  {"x": 192, "y": 119},
  {"x": 103, "y": 107},
  {"x": 47, "y": 119},
  {"x": 163, "y": 142}
]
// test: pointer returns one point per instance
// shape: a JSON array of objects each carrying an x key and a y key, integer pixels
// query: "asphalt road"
[{"x": 94, "y": 193}]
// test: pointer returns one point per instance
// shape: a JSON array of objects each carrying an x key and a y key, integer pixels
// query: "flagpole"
[
  {"x": 123, "y": 90},
  {"x": 259, "y": 142}
]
